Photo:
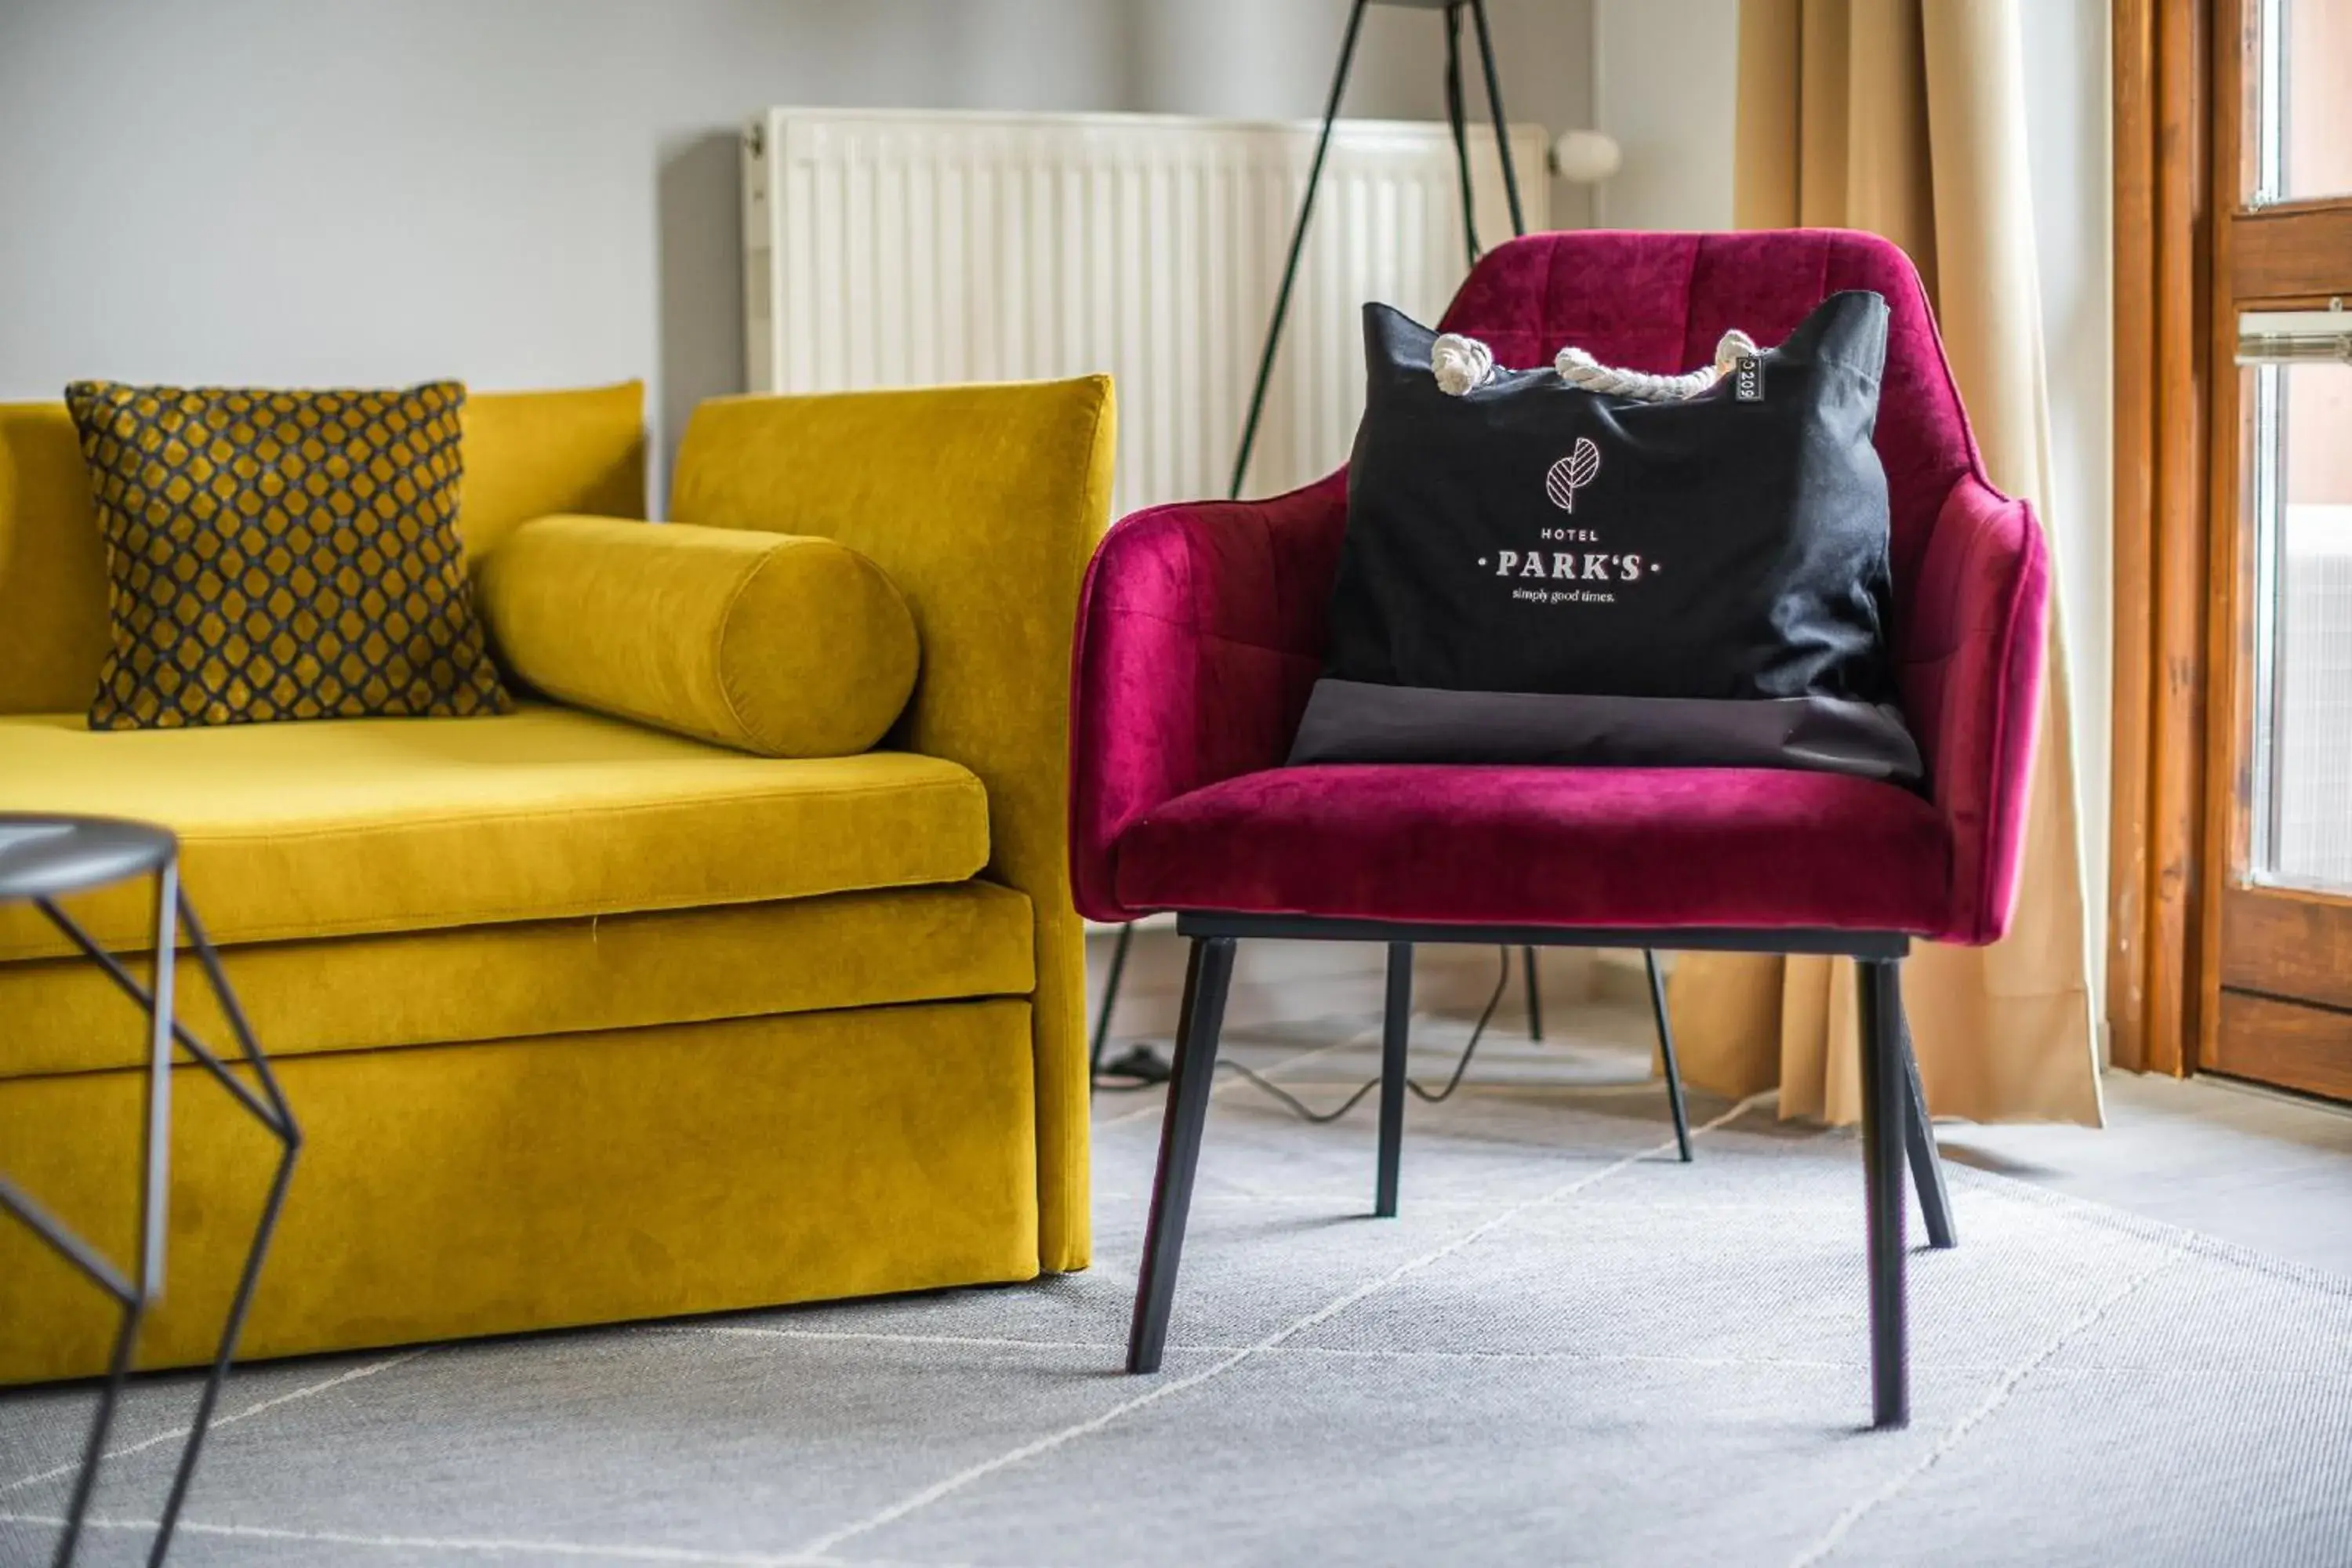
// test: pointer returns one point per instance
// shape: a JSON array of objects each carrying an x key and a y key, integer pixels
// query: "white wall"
[
  {"x": 1663, "y": 86},
  {"x": 517, "y": 192},
  {"x": 1665, "y": 75},
  {"x": 1251, "y": 58},
  {"x": 531, "y": 193}
]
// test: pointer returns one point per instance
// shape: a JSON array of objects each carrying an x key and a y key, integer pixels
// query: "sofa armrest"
[
  {"x": 981, "y": 504},
  {"x": 1200, "y": 632},
  {"x": 1970, "y": 664}
]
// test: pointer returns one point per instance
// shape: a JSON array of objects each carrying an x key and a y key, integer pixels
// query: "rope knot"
[{"x": 1461, "y": 364}]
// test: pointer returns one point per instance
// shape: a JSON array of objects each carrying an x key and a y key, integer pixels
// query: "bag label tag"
[{"x": 1748, "y": 379}]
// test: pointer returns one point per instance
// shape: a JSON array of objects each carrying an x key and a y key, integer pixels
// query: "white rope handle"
[{"x": 1463, "y": 364}]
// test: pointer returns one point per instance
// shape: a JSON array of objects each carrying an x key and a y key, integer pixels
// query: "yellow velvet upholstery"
[
  {"x": 548, "y": 978},
  {"x": 53, "y": 632},
  {"x": 527, "y": 454},
  {"x": 779, "y": 645},
  {"x": 481, "y": 1189},
  {"x": 351, "y": 825},
  {"x": 983, "y": 504},
  {"x": 584, "y": 1021},
  {"x": 534, "y": 454}
]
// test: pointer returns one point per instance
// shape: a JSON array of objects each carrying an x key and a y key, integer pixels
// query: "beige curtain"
[{"x": 1907, "y": 116}]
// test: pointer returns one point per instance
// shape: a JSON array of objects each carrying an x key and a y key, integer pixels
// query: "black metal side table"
[{"x": 42, "y": 860}]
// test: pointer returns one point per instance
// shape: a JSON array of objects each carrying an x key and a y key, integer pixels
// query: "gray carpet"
[{"x": 1569, "y": 1348}]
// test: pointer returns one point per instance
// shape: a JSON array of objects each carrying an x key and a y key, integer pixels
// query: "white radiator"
[{"x": 892, "y": 250}]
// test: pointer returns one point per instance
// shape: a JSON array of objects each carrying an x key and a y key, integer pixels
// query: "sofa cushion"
[
  {"x": 344, "y": 826},
  {"x": 1612, "y": 848},
  {"x": 527, "y": 978},
  {"x": 280, "y": 554},
  {"x": 527, "y": 454}
]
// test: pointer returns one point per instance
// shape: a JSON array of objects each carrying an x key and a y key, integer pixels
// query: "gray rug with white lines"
[{"x": 1568, "y": 1349}]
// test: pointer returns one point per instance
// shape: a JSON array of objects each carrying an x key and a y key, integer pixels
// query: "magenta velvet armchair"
[{"x": 1201, "y": 630}]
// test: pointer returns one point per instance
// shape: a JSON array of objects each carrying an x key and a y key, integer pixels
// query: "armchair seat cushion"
[{"x": 1604, "y": 847}]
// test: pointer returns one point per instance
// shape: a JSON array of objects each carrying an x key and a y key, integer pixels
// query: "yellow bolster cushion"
[{"x": 772, "y": 643}]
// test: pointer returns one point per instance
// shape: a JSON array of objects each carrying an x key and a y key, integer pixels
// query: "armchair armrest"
[
  {"x": 1970, "y": 666},
  {"x": 1200, "y": 631}
]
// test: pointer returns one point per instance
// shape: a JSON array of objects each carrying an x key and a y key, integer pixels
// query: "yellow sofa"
[{"x": 586, "y": 1022}]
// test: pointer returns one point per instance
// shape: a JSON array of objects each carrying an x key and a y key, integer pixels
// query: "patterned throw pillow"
[{"x": 281, "y": 555}]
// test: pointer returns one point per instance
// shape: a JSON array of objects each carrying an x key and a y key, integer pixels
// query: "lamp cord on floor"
[{"x": 1306, "y": 1112}]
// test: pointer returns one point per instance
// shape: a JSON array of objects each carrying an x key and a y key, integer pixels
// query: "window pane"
[
  {"x": 2303, "y": 493},
  {"x": 2305, "y": 114}
]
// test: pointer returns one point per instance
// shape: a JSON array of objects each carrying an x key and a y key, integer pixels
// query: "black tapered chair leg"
[
  {"x": 1209, "y": 975},
  {"x": 1109, "y": 1000},
  {"x": 1535, "y": 994},
  {"x": 1666, "y": 1052},
  {"x": 1885, "y": 1110},
  {"x": 1396, "y": 1029},
  {"x": 1926, "y": 1161}
]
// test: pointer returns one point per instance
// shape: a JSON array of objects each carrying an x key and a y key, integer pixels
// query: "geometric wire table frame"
[{"x": 146, "y": 849}]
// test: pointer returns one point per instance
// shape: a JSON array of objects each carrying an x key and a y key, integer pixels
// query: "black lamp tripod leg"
[
  {"x": 1109, "y": 1000},
  {"x": 1457, "y": 119},
  {"x": 1535, "y": 992},
  {"x": 1495, "y": 104},
  {"x": 1297, "y": 247}
]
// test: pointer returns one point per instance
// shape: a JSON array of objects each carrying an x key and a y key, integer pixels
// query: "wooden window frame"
[
  {"x": 2189, "y": 254},
  {"x": 2162, "y": 349}
]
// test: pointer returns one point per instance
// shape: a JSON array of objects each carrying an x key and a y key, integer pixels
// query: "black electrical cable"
[
  {"x": 1110, "y": 1083},
  {"x": 1306, "y": 1112}
]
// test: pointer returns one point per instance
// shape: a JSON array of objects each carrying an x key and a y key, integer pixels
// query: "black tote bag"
[{"x": 1536, "y": 573}]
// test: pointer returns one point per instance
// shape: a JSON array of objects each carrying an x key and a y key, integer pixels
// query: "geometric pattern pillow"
[{"x": 281, "y": 555}]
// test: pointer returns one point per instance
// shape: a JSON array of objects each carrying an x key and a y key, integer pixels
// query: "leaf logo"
[{"x": 1572, "y": 473}]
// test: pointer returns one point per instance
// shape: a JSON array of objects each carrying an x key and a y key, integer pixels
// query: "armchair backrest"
[
  {"x": 1203, "y": 625},
  {"x": 1660, "y": 302},
  {"x": 1970, "y": 568}
]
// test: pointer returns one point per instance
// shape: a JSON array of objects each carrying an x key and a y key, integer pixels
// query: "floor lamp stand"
[{"x": 1141, "y": 1062}]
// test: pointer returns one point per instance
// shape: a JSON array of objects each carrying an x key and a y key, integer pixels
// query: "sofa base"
[{"x": 452, "y": 1191}]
